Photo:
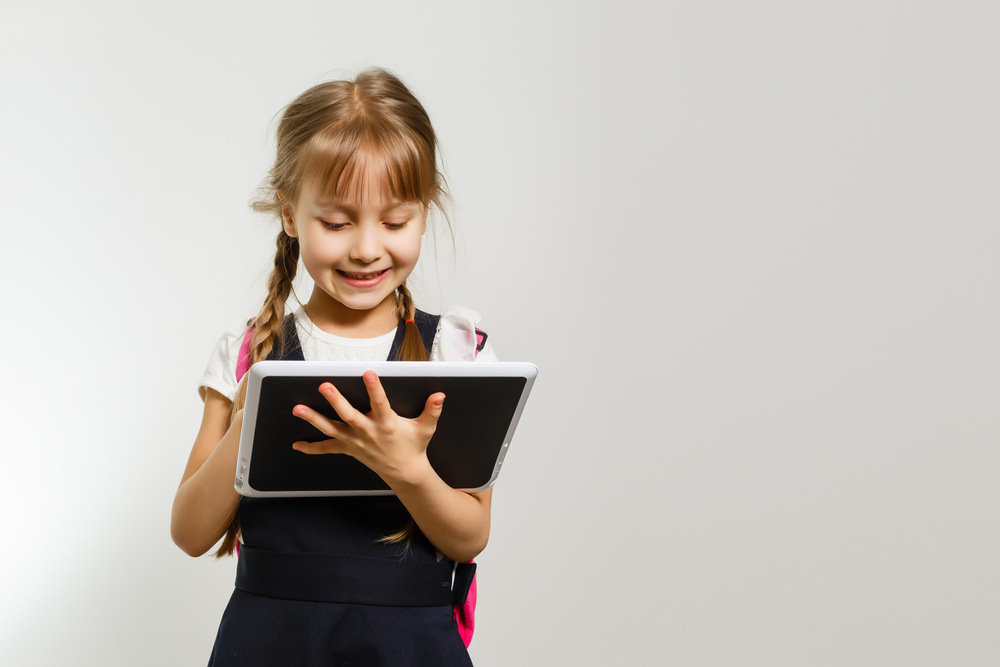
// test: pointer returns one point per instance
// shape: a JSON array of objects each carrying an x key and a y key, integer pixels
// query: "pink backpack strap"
[
  {"x": 465, "y": 610},
  {"x": 243, "y": 359},
  {"x": 242, "y": 366},
  {"x": 480, "y": 340}
]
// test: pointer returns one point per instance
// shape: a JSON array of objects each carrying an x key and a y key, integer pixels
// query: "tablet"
[{"x": 483, "y": 404}]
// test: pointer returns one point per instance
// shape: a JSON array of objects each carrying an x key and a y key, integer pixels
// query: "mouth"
[{"x": 362, "y": 278}]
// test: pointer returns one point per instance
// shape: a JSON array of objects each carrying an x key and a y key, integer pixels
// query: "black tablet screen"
[{"x": 476, "y": 415}]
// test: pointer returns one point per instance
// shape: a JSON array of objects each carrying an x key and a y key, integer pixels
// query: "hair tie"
[{"x": 408, "y": 321}]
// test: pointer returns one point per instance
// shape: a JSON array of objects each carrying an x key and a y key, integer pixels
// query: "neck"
[{"x": 335, "y": 318}]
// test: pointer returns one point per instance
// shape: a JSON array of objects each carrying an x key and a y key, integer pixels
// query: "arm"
[
  {"x": 455, "y": 522},
  {"x": 206, "y": 501}
]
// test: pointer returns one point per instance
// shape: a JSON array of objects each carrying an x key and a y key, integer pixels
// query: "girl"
[{"x": 354, "y": 580}]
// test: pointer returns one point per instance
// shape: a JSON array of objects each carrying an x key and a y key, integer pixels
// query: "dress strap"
[{"x": 291, "y": 348}]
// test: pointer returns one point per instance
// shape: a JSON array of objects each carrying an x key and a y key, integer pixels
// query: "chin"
[{"x": 363, "y": 303}]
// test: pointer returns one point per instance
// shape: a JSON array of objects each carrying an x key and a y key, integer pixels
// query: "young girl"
[{"x": 345, "y": 580}]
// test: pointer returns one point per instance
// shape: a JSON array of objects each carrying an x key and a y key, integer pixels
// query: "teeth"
[{"x": 363, "y": 276}]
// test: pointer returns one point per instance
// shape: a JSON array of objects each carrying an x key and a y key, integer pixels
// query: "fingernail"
[{"x": 438, "y": 404}]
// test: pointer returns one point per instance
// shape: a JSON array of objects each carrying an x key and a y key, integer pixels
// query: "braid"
[
  {"x": 404, "y": 302},
  {"x": 268, "y": 334},
  {"x": 270, "y": 322},
  {"x": 269, "y": 325},
  {"x": 412, "y": 347}
]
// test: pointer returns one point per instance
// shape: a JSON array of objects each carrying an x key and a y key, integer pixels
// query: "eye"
[
  {"x": 333, "y": 226},
  {"x": 396, "y": 223}
]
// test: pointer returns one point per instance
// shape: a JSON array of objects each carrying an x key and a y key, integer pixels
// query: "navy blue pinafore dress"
[{"x": 314, "y": 586}]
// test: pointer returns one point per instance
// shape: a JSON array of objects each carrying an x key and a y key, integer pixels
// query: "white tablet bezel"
[{"x": 321, "y": 369}]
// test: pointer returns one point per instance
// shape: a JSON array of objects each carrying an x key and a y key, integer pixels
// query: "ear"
[
  {"x": 287, "y": 218},
  {"x": 288, "y": 223}
]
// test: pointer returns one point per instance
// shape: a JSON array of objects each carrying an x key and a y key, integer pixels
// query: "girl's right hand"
[{"x": 393, "y": 446}]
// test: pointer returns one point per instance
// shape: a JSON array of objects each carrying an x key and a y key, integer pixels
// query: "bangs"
[{"x": 359, "y": 158}]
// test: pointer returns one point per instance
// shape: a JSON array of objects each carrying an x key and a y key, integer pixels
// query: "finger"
[
  {"x": 341, "y": 405},
  {"x": 376, "y": 396},
  {"x": 321, "y": 422},
  {"x": 322, "y": 447},
  {"x": 428, "y": 419}
]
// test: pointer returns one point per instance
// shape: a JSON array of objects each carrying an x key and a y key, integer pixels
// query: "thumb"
[{"x": 432, "y": 411}]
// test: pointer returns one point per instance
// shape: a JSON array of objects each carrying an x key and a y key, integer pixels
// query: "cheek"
[
  {"x": 407, "y": 251},
  {"x": 319, "y": 250}
]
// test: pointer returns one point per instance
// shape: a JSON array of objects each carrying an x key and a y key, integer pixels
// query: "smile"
[
  {"x": 362, "y": 276},
  {"x": 362, "y": 279}
]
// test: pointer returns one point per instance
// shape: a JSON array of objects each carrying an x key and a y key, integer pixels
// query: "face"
[{"x": 357, "y": 251}]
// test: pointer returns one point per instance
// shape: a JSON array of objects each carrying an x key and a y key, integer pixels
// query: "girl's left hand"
[{"x": 393, "y": 446}]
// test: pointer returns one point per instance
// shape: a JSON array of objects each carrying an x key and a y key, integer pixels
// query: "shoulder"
[
  {"x": 459, "y": 337},
  {"x": 220, "y": 373}
]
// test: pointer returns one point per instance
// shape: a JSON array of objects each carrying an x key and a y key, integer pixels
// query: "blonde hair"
[{"x": 335, "y": 135}]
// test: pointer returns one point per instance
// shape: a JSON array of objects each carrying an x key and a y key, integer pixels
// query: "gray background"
[{"x": 752, "y": 248}]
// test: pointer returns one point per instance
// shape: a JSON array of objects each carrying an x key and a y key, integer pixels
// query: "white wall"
[{"x": 752, "y": 248}]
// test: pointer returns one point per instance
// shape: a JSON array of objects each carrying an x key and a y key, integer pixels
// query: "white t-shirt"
[{"x": 455, "y": 341}]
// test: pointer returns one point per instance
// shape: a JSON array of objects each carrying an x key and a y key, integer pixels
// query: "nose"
[{"x": 367, "y": 247}]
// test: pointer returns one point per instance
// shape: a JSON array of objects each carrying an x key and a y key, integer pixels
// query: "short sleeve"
[
  {"x": 456, "y": 338},
  {"x": 220, "y": 374}
]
